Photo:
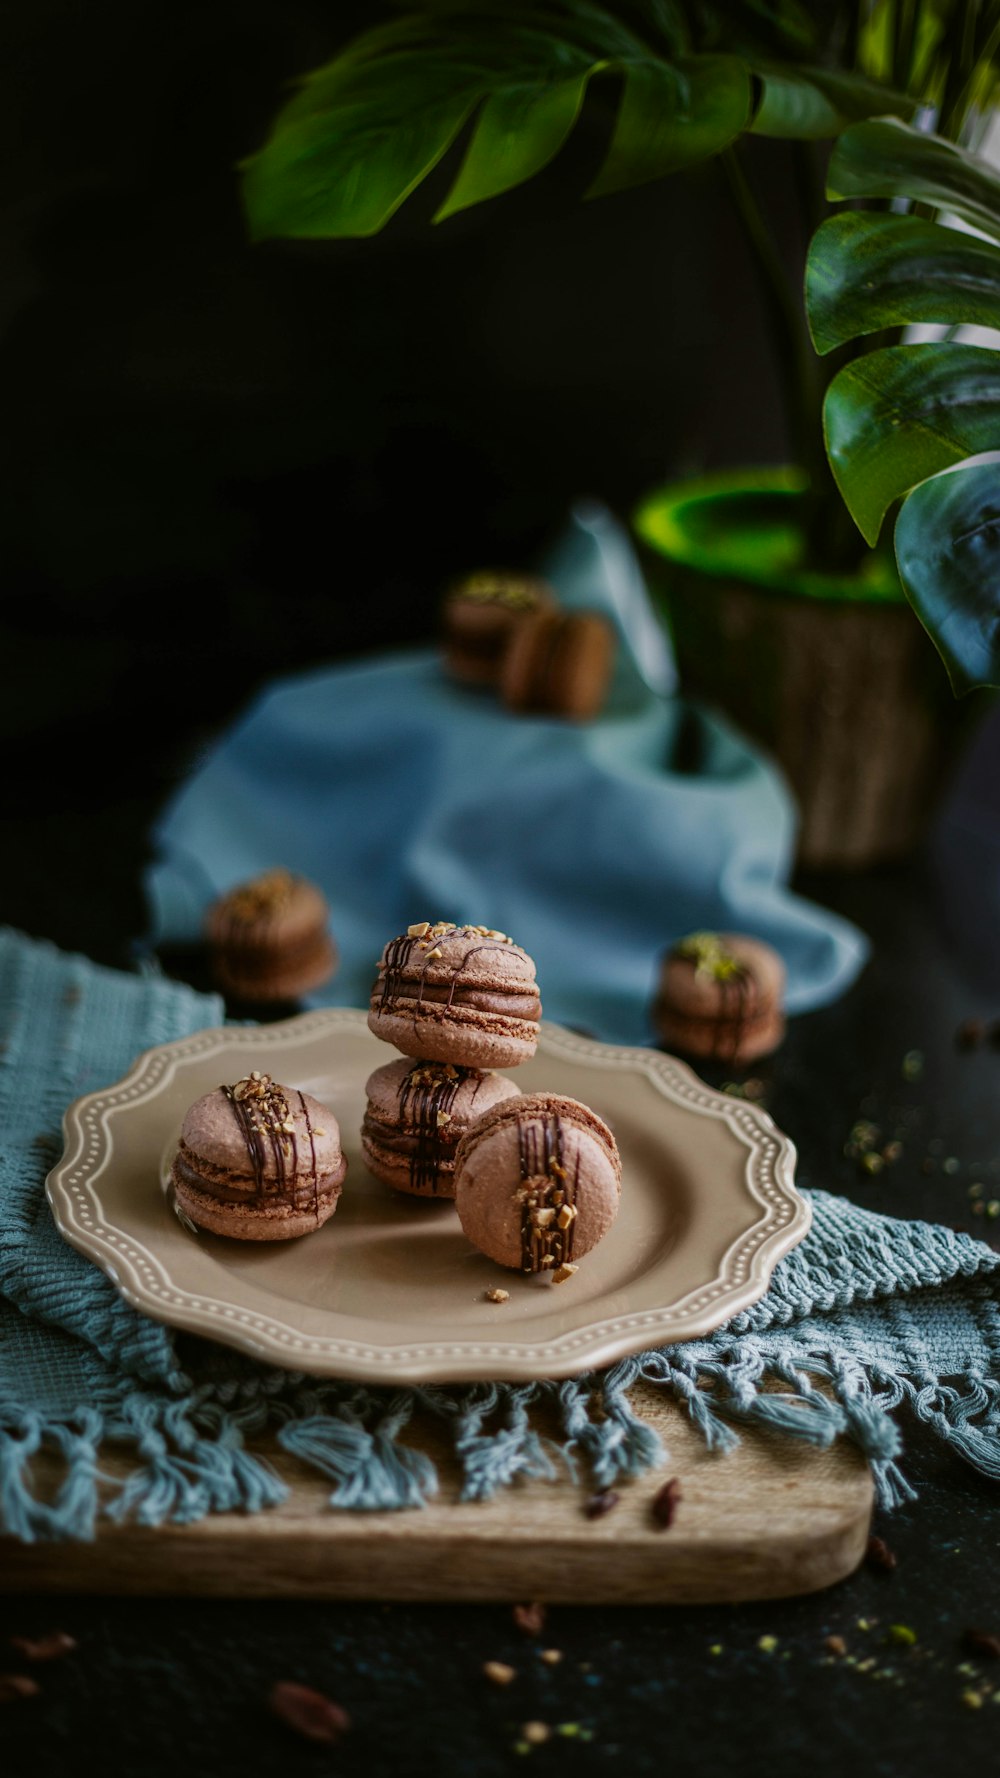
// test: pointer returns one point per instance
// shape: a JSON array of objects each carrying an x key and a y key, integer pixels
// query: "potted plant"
[{"x": 780, "y": 609}]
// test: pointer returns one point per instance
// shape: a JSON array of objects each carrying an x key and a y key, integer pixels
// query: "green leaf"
[
  {"x": 671, "y": 116},
  {"x": 897, "y": 416},
  {"x": 866, "y": 272},
  {"x": 948, "y": 550},
  {"x": 888, "y": 159},
  {"x": 347, "y": 151},
  {"x": 811, "y": 103},
  {"x": 518, "y": 132}
]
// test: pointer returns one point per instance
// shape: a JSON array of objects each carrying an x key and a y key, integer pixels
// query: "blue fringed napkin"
[{"x": 881, "y": 1311}]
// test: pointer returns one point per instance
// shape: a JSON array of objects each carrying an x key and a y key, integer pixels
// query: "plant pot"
[{"x": 834, "y": 676}]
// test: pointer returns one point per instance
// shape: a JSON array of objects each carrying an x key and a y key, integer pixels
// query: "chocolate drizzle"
[
  {"x": 263, "y": 1114},
  {"x": 396, "y": 970},
  {"x": 548, "y": 1193},
  {"x": 427, "y": 1098}
]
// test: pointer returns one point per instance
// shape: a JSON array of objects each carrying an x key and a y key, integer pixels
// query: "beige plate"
[{"x": 389, "y": 1290}]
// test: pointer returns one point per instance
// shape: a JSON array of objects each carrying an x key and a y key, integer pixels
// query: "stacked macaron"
[
  {"x": 536, "y": 1178},
  {"x": 460, "y": 1001}
]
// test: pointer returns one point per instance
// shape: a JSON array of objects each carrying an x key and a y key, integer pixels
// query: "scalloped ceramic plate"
[{"x": 389, "y": 1290}]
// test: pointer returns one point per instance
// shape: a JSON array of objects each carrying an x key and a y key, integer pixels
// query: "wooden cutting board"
[{"x": 773, "y": 1518}]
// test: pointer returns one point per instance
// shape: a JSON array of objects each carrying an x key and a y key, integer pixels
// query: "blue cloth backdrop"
[{"x": 406, "y": 796}]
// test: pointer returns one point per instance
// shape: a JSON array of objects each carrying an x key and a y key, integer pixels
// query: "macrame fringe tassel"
[{"x": 192, "y": 1457}]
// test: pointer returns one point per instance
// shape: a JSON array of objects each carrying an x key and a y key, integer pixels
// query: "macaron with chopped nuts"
[
  {"x": 258, "y": 1162},
  {"x": 720, "y": 996},
  {"x": 480, "y": 615},
  {"x": 269, "y": 938},
  {"x": 463, "y": 994},
  {"x": 417, "y": 1113},
  {"x": 538, "y": 1183}
]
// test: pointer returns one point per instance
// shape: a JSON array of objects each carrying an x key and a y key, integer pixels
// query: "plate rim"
[{"x": 742, "y": 1276}]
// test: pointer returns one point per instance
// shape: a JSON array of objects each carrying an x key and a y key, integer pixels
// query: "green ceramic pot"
[{"x": 834, "y": 675}]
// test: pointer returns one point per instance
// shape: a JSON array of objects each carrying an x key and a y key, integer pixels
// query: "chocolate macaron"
[
  {"x": 464, "y": 994},
  {"x": 269, "y": 938},
  {"x": 720, "y": 996},
  {"x": 537, "y": 1183},
  {"x": 258, "y": 1161},
  {"x": 559, "y": 664},
  {"x": 417, "y": 1113},
  {"x": 479, "y": 616}
]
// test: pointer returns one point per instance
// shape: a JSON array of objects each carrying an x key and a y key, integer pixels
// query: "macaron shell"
[
  {"x": 279, "y": 979},
  {"x": 559, "y": 665},
  {"x": 489, "y": 1177},
  {"x": 708, "y": 1039},
  {"x": 272, "y": 1221},
  {"x": 212, "y": 1134},
  {"x": 400, "y": 1140},
  {"x": 471, "y": 1039}
]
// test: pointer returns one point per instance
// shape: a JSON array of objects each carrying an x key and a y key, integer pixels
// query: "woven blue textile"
[
  {"x": 880, "y": 1311},
  {"x": 408, "y": 797}
]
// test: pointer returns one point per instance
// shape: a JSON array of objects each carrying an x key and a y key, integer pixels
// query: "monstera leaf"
[
  {"x": 903, "y": 421},
  {"x": 364, "y": 131}
]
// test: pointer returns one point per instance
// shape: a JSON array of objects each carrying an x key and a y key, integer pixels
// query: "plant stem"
[
  {"x": 784, "y": 315},
  {"x": 832, "y": 538}
]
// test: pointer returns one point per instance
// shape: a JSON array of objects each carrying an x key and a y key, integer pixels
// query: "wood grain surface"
[{"x": 775, "y": 1517}]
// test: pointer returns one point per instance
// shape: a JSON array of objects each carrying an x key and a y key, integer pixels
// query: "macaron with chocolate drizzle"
[
  {"x": 538, "y": 1183},
  {"x": 258, "y": 1161},
  {"x": 479, "y": 617},
  {"x": 463, "y": 994},
  {"x": 269, "y": 938},
  {"x": 417, "y": 1113},
  {"x": 720, "y": 997}
]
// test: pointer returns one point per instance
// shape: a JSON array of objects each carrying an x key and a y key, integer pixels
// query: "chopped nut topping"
[
  {"x": 263, "y": 895},
  {"x": 542, "y": 1218},
  {"x": 431, "y": 1074},
  {"x": 498, "y": 1672},
  {"x": 566, "y": 1215},
  {"x": 437, "y": 952},
  {"x": 547, "y": 1259},
  {"x": 565, "y": 1271},
  {"x": 443, "y": 1117},
  {"x": 317, "y": 1131},
  {"x": 420, "y": 930},
  {"x": 554, "y": 1167},
  {"x": 496, "y": 1295}
]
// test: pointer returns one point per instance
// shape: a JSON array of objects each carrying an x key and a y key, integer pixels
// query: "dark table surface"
[{"x": 679, "y": 1689}]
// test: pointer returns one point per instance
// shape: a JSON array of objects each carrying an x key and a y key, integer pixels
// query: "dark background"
[{"x": 222, "y": 461}]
